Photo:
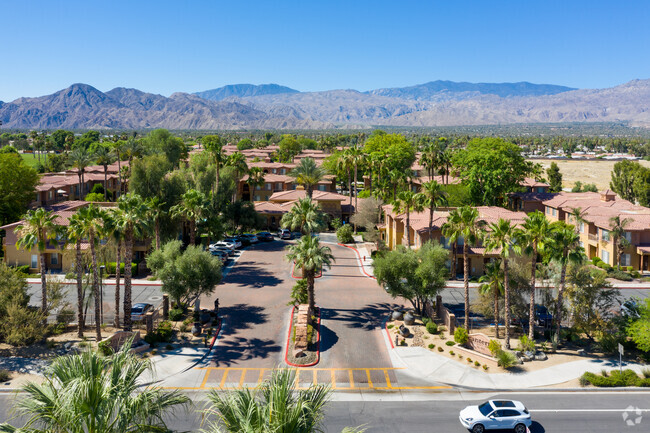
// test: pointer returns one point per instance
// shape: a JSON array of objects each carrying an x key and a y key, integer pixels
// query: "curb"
[
  {"x": 363, "y": 269},
  {"x": 286, "y": 351},
  {"x": 392, "y": 346}
]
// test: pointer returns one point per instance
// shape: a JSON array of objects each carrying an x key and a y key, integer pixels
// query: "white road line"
[{"x": 589, "y": 410}]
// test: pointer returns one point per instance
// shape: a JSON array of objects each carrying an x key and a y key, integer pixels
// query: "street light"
[{"x": 101, "y": 290}]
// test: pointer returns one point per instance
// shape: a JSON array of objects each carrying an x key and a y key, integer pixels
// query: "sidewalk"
[{"x": 110, "y": 281}]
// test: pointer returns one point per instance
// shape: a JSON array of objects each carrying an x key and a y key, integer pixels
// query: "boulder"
[
  {"x": 298, "y": 353},
  {"x": 409, "y": 319},
  {"x": 540, "y": 356},
  {"x": 397, "y": 315}
]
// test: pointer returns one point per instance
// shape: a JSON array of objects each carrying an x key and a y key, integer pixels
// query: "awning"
[{"x": 643, "y": 249}]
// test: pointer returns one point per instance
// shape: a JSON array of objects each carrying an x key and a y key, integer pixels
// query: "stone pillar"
[
  {"x": 439, "y": 306},
  {"x": 148, "y": 320},
  {"x": 165, "y": 307}
]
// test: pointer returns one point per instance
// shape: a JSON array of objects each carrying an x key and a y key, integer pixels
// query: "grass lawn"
[{"x": 31, "y": 159}]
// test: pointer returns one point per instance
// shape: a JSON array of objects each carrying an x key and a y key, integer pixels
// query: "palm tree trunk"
[
  {"x": 80, "y": 195},
  {"x": 558, "y": 307},
  {"x": 350, "y": 187},
  {"x": 192, "y": 232},
  {"x": 506, "y": 290},
  {"x": 466, "y": 282},
  {"x": 157, "y": 229},
  {"x": 119, "y": 179},
  {"x": 310, "y": 293},
  {"x": 310, "y": 190},
  {"x": 408, "y": 228},
  {"x": 128, "y": 259},
  {"x": 356, "y": 194},
  {"x": 80, "y": 292},
  {"x": 496, "y": 312},
  {"x": 105, "y": 182},
  {"x": 43, "y": 287},
  {"x": 216, "y": 183},
  {"x": 455, "y": 259},
  {"x": 98, "y": 318},
  {"x": 531, "y": 312},
  {"x": 431, "y": 223},
  {"x": 118, "y": 258}
]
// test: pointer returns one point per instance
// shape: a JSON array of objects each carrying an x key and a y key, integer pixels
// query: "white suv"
[
  {"x": 284, "y": 234},
  {"x": 496, "y": 414}
]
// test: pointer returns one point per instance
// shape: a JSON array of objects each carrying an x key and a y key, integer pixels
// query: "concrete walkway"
[{"x": 109, "y": 281}]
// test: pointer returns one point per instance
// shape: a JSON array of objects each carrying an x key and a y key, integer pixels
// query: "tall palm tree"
[
  {"x": 133, "y": 148},
  {"x": 564, "y": 248},
  {"x": 130, "y": 217},
  {"x": 492, "y": 284},
  {"x": 191, "y": 208},
  {"x": 406, "y": 202},
  {"x": 617, "y": 230},
  {"x": 104, "y": 157},
  {"x": 577, "y": 217},
  {"x": 76, "y": 234},
  {"x": 433, "y": 196},
  {"x": 305, "y": 216},
  {"x": 502, "y": 238},
  {"x": 429, "y": 159},
  {"x": 88, "y": 392},
  {"x": 154, "y": 213},
  {"x": 118, "y": 150},
  {"x": 214, "y": 145},
  {"x": 39, "y": 226},
  {"x": 255, "y": 179},
  {"x": 309, "y": 255},
  {"x": 357, "y": 157},
  {"x": 114, "y": 230},
  {"x": 464, "y": 223},
  {"x": 276, "y": 406},
  {"x": 80, "y": 158},
  {"x": 308, "y": 174},
  {"x": 238, "y": 162},
  {"x": 534, "y": 234},
  {"x": 397, "y": 180}
]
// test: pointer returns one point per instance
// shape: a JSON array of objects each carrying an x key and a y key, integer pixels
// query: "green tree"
[
  {"x": 463, "y": 225},
  {"x": 309, "y": 255},
  {"x": 19, "y": 324},
  {"x": 214, "y": 146},
  {"x": 38, "y": 228},
  {"x": 357, "y": 157},
  {"x": 255, "y": 180},
  {"x": 147, "y": 175},
  {"x": 161, "y": 140},
  {"x": 554, "y": 177},
  {"x": 492, "y": 285},
  {"x": 289, "y": 147},
  {"x": 104, "y": 157},
  {"x": 15, "y": 196},
  {"x": 117, "y": 150},
  {"x": 80, "y": 158},
  {"x": 618, "y": 232},
  {"x": 244, "y": 143},
  {"x": 491, "y": 168},
  {"x": 186, "y": 275},
  {"x": 237, "y": 161},
  {"x": 155, "y": 211},
  {"x": 433, "y": 197},
  {"x": 406, "y": 202},
  {"x": 304, "y": 216},
  {"x": 88, "y": 392},
  {"x": 114, "y": 230},
  {"x": 624, "y": 175},
  {"x": 191, "y": 208},
  {"x": 639, "y": 329},
  {"x": 502, "y": 239},
  {"x": 308, "y": 174},
  {"x": 76, "y": 234},
  {"x": 417, "y": 276}
]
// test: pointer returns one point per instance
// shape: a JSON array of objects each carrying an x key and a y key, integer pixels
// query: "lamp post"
[{"x": 101, "y": 290}]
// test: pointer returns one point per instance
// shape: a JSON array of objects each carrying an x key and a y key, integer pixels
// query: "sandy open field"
[{"x": 597, "y": 171}]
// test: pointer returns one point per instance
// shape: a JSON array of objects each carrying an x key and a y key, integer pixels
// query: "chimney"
[{"x": 607, "y": 195}]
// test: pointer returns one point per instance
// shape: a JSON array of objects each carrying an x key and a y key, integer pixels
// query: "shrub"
[
  {"x": 603, "y": 265},
  {"x": 23, "y": 269},
  {"x": 506, "y": 359},
  {"x": 431, "y": 345},
  {"x": 65, "y": 316},
  {"x": 485, "y": 367},
  {"x": 526, "y": 344},
  {"x": 620, "y": 275},
  {"x": 646, "y": 373},
  {"x": 432, "y": 328},
  {"x": 477, "y": 364},
  {"x": 169, "y": 347},
  {"x": 615, "y": 379},
  {"x": 440, "y": 349},
  {"x": 608, "y": 343},
  {"x": 110, "y": 268},
  {"x": 163, "y": 334},
  {"x": 425, "y": 320},
  {"x": 450, "y": 343},
  {"x": 461, "y": 336},
  {"x": 299, "y": 293},
  {"x": 344, "y": 234},
  {"x": 596, "y": 260},
  {"x": 494, "y": 346},
  {"x": 391, "y": 326},
  {"x": 184, "y": 327},
  {"x": 451, "y": 352},
  {"x": 403, "y": 343},
  {"x": 336, "y": 223},
  {"x": 469, "y": 360},
  {"x": 635, "y": 274},
  {"x": 95, "y": 197},
  {"x": 4, "y": 375},
  {"x": 104, "y": 348},
  {"x": 175, "y": 314}
]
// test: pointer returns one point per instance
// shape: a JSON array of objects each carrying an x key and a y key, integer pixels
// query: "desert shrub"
[
  {"x": 336, "y": 223},
  {"x": 460, "y": 356},
  {"x": 175, "y": 314},
  {"x": 526, "y": 344},
  {"x": 4, "y": 375},
  {"x": 494, "y": 346},
  {"x": 169, "y": 347},
  {"x": 432, "y": 328},
  {"x": 391, "y": 326},
  {"x": 299, "y": 293},
  {"x": 425, "y": 320},
  {"x": 603, "y": 265},
  {"x": 615, "y": 379},
  {"x": 646, "y": 373},
  {"x": 450, "y": 343},
  {"x": 485, "y": 367},
  {"x": 477, "y": 364},
  {"x": 65, "y": 316},
  {"x": 22, "y": 326},
  {"x": 403, "y": 343},
  {"x": 608, "y": 343},
  {"x": 469, "y": 360},
  {"x": 105, "y": 348},
  {"x": 431, "y": 345},
  {"x": 344, "y": 234},
  {"x": 24, "y": 269},
  {"x": 620, "y": 275},
  {"x": 452, "y": 353},
  {"x": 440, "y": 349},
  {"x": 506, "y": 359},
  {"x": 461, "y": 336},
  {"x": 162, "y": 334},
  {"x": 635, "y": 274},
  {"x": 184, "y": 327},
  {"x": 596, "y": 260},
  {"x": 111, "y": 267}
]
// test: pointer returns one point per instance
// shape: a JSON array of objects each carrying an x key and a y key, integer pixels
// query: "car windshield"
[
  {"x": 485, "y": 408},
  {"x": 136, "y": 309}
]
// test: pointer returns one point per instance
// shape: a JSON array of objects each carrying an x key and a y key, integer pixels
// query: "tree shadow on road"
[
  {"x": 229, "y": 352},
  {"x": 241, "y": 316},
  {"x": 252, "y": 275},
  {"x": 368, "y": 318},
  {"x": 328, "y": 338}
]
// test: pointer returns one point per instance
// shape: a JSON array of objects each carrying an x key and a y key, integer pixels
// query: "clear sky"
[{"x": 168, "y": 46}]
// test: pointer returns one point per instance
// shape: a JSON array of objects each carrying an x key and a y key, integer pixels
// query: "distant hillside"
[
  {"x": 243, "y": 90},
  {"x": 451, "y": 90}
]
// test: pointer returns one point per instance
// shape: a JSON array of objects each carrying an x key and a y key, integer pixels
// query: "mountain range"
[{"x": 271, "y": 106}]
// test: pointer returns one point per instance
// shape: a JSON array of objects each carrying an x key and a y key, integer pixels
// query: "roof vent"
[{"x": 607, "y": 195}]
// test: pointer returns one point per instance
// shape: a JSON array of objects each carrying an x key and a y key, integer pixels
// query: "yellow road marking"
[
  {"x": 315, "y": 377},
  {"x": 387, "y": 379},
  {"x": 351, "y": 379},
  {"x": 333, "y": 376},
  {"x": 259, "y": 379},
  {"x": 223, "y": 379},
  {"x": 369, "y": 379},
  {"x": 241, "y": 379}
]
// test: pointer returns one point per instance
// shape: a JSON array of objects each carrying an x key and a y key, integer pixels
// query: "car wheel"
[
  {"x": 520, "y": 428},
  {"x": 478, "y": 428}
]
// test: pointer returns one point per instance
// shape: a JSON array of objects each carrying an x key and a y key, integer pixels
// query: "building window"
[
  {"x": 34, "y": 261},
  {"x": 322, "y": 187},
  {"x": 267, "y": 186},
  {"x": 278, "y": 185},
  {"x": 582, "y": 227},
  {"x": 582, "y": 244},
  {"x": 257, "y": 198},
  {"x": 54, "y": 259},
  {"x": 628, "y": 236},
  {"x": 604, "y": 235},
  {"x": 604, "y": 255},
  {"x": 554, "y": 212},
  {"x": 626, "y": 260}
]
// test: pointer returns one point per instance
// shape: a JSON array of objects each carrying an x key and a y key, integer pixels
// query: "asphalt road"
[{"x": 551, "y": 412}]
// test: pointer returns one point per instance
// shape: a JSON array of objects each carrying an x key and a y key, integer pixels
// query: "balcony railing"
[{"x": 593, "y": 237}]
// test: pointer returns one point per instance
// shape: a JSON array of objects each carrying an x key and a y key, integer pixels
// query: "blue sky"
[{"x": 168, "y": 46}]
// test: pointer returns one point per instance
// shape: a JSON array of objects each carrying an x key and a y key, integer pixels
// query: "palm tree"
[
  {"x": 237, "y": 161},
  {"x": 406, "y": 202},
  {"x": 131, "y": 220},
  {"x": 88, "y": 392},
  {"x": 534, "y": 234},
  {"x": 464, "y": 223},
  {"x": 75, "y": 233},
  {"x": 276, "y": 406},
  {"x": 356, "y": 157},
  {"x": 214, "y": 145},
  {"x": 578, "y": 217},
  {"x": 429, "y": 159},
  {"x": 255, "y": 179},
  {"x": 492, "y": 284},
  {"x": 113, "y": 229},
  {"x": 305, "y": 215},
  {"x": 191, "y": 208},
  {"x": 39, "y": 226},
  {"x": 564, "y": 248},
  {"x": 80, "y": 159},
  {"x": 133, "y": 148},
  {"x": 104, "y": 157},
  {"x": 502, "y": 238},
  {"x": 309, "y": 255},
  {"x": 155, "y": 211},
  {"x": 118, "y": 149},
  {"x": 308, "y": 174},
  {"x": 617, "y": 230},
  {"x": 433, "y": 196}
]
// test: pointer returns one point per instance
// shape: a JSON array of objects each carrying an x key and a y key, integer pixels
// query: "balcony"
[{"x": 593, "y": 237}]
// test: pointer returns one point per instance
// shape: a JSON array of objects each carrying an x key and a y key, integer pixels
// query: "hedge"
[
  {"x": 110, "y": 268},
  {"x": 615, "y": 379}
]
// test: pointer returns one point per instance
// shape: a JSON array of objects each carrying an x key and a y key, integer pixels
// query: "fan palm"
[
  {"x": 133, "y": 148},
  {"x": 255, "y": 179},
  {"x": 155, "y": 211},
  {"x": 308, "y": 174},
  {"x": 104, "y": 157},
  {"x": 492, "y": 284},
  {"x": 114, "y": 230},
  {"x": 80, "y": 159},
  {"x": 238, "y": 162},
  {"x": 356, "y": 157},
  {"x": 192, "y": 207},
  {"x": 304, "y": 216},
  {"x": 309, "y": 255},
  {"x": 75, "y": 233},
  {"x": 617, "y": 230},
  {"x": 464, "y": 224},
  {"x": 534, "y": 234},
  {"x": 406, "y": 202},
  {"x": 89, "y": 393},
  {"x": 214, "y": 145},
  {"x": 118, "y": 149},
  {"x": 433, "y": 196},
  {"x": 39, "y": 226},
  {"x": 502, "y": 238},
  {"x": 429, "y": 158},
  {"x": 577, "y": 217}
]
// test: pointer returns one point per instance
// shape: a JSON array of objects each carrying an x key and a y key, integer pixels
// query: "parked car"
[
  {"x": 245, "y": 241},
  {"x": 284, "y": 234},
  {"x": 225, "y": 250},
  {"x": 139, "y": 310},
  {"x": 542, "y": 316},
  {"x": 221, "y": 254},
  {"x": 235, "y": 241},
  {"x": 265, "y": 236},
  {"x": 226, "y": 244},
  {"x": 496, "y": 414},
  {"x": 251, "y": 237}
]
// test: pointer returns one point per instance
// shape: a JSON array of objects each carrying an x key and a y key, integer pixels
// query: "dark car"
[
  {"x": 244, "y": 241},
  {"x": 542, "y": 316},
  {"x": 139, "y": 310},
  {"x": 265, "y": 236}
]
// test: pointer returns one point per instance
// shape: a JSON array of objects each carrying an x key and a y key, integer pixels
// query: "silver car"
[{"x": 496, "y": 414}]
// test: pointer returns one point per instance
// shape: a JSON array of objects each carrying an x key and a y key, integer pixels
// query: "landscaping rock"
[
  {"x": 404, "y": 331},
  {"x": 409, "y": 319},
  {"x": 582, "y": 352},
  {"x": 397, "y": 315},
  {"x": 298, "y": 353},
  {"x": 540, "y": 356}
]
